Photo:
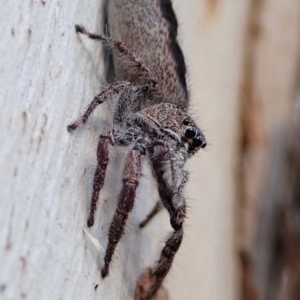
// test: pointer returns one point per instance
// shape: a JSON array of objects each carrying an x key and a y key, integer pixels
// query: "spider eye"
[
  {"x": 190, "y": 133},
  {"x": 186, "y": 121},
  {"x": 199, "y": 141},
  {"x": 181, "y": 108}
]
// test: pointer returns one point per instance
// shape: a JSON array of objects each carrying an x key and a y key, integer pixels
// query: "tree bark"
[{"x": 243, "y": 96}]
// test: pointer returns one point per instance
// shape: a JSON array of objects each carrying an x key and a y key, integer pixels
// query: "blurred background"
[
  {"x": 242, "y": 235},
  {"x": 244, "y": 59}
]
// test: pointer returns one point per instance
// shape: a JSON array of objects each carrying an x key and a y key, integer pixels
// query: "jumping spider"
[{"x": 163, "y": 132}]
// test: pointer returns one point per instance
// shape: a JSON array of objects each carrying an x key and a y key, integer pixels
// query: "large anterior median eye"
[
  {"x": 199, "y": 141},
  {"x": 190, "y": 133}
]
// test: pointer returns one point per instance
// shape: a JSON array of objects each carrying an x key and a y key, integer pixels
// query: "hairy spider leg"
[
  {"x": 171, "y": 178},
  {"x": 109, "y": 92},
  {"x": 158, "y": 165},
  {"x": 131, "y": 178},
  {"x": 176, "y": 208},
  {"x": 165, "y": 262},
  {"x": 157, "y": 208},
  {"x": 138, "y": 63},
  {"x": 167, "y": 255},
  {"x": 168, "y": 252},
  {"x": 113, "y": 137},
  {"x": 103, "y": 159}
]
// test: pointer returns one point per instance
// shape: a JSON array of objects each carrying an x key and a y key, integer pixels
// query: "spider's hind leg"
[{"x": 137, "y": 62}]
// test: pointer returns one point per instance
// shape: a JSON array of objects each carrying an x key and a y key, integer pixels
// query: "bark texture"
[{"x": 241, "y": 239}]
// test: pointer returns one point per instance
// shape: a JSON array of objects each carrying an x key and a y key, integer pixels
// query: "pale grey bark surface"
[{"x": 48, "y": 76}]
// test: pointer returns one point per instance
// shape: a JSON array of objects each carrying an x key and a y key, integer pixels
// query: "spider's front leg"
[
  {"x": 171, "y": 180},
  {"x": 156, "y": 276},
  {"x": 131, "y": 178}
]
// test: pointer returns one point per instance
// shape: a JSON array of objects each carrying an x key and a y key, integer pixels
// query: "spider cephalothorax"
[
  {"x": 162, "y": 132},
  {"x": 168, "y": 120}
]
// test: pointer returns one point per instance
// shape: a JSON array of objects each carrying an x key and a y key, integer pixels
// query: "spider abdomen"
[{"x": 150, "y": 28}]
